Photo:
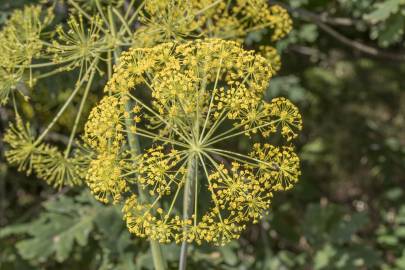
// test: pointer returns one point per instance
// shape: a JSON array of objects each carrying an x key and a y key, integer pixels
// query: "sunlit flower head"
[
  {"x": 22, "y": 143},
  {"x": 20, "y": 43},
  {"x": 190, "y": 104}
]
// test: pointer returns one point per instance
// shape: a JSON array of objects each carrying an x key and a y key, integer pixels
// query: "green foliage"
[
  {"x": 66, "y": 229},
  {"x": 382, "y": 11},
  {"x": 287, "y": 85},
  {"x": 388, "y": 20},
  {"x": 391, "y": 232}
]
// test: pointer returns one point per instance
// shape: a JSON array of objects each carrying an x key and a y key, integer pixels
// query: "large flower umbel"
[{"x": 191, "y": 104}]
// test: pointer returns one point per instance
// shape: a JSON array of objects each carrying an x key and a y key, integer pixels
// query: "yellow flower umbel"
[
  {"x": 203, "y": 97},
  {"x": 20, "y": 43},
  {"x": 21, "y": 36},
  {"x": 79, "y": 44},
  {"x": 30, "y": 154}
]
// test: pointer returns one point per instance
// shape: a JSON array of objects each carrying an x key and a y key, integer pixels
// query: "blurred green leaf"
[
  {"x": 383, "y": 10},
  {"x": 57, "y": 233},
  {"x": 323, "y": 257}
]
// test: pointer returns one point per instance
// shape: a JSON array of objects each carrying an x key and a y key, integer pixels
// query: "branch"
[
  {"x": 324, "y": 17},
  {"x": 307, "y": 51},
  {"x": 360, "y": 46},
  {"x": 320, "y": 20}
]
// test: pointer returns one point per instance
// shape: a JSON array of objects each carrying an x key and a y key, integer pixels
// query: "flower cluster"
[
  {"x": 30, "y": 155},
  {"x": 89, "y": 42},
  {"x": 167, "y": 20},
  {"x": 20, "y": 43},
  {"x": 203, "y": 96},
  {"x": 21, "y": 36},
  {"x": 77, "y": 47}
]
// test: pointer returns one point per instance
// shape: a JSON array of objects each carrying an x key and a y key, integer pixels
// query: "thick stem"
[
  {"x": 156, "y": 251},
  {"x": 188, "y": 205},
  {"x": 158, "y": 259}
]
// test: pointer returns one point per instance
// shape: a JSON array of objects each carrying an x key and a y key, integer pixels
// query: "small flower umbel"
[
  {"x": 29, "y": 154},
  {"x": 78, "y": 46},
  {"x": 203, "y": 97},
  {"x": 20, "y": 43}
]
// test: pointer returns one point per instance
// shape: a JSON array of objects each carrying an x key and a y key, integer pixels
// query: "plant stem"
[
  {"x": 187, "y": 205},
  {"x": 79, "y": 84},
  {"x": 156, "y": 251},
  {"x": 79, "y": 113},
  {"x": 157, "y": 255},
  {"x": 158, "y": 259}
]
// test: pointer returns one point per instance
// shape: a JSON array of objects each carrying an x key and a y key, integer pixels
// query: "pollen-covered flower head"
[
  {"x": 190, "y": 104},
  {"x": 171, "y": 19}
]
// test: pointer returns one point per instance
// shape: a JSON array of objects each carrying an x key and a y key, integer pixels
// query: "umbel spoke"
[{"x": 159, "y": 117}]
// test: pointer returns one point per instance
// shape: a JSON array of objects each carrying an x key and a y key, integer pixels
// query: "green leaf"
[
  {"x": 400, "y": 232},
  {"x": 58, "y": 236},
  {"x": 388, "y": 240},
  {"x": 14, "y": 229},
  {"x": 394, "y": 194},
  {"x": 308, "y": 33},
  {"x": 229, "y": 255},
  {"x": 34, "y": 249},
  {"x": 64, "y": 223},
  {"x": 391, "y": 31},
  {"x": 344, "y": 230},
  {"x": 288, "y": 86},
  {"x": 323, "y": 257},
  {"x": 384, "y": 10}
]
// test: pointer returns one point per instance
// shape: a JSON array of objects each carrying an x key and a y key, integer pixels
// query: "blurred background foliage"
[{"x": 344, "y": 66}]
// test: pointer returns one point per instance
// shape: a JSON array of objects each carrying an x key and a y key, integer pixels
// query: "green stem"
[
  {"x": 79, "y": 113},
  {"x": 67, "y": 103},
  {"x": 101, "y": 12},
  {"x": 188, "y": 205},
  {"x": 133, "y": 141},
  {"x": 157, "y": 255},
  {"x": 158, "y": 259}
]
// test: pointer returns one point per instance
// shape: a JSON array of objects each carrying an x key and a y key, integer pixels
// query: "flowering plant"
[{"x": 172, "y": 110}]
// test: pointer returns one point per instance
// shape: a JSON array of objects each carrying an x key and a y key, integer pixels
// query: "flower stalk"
[
  {"x": 188, "y": 201},
  {"x": 133, "y": 142}
]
